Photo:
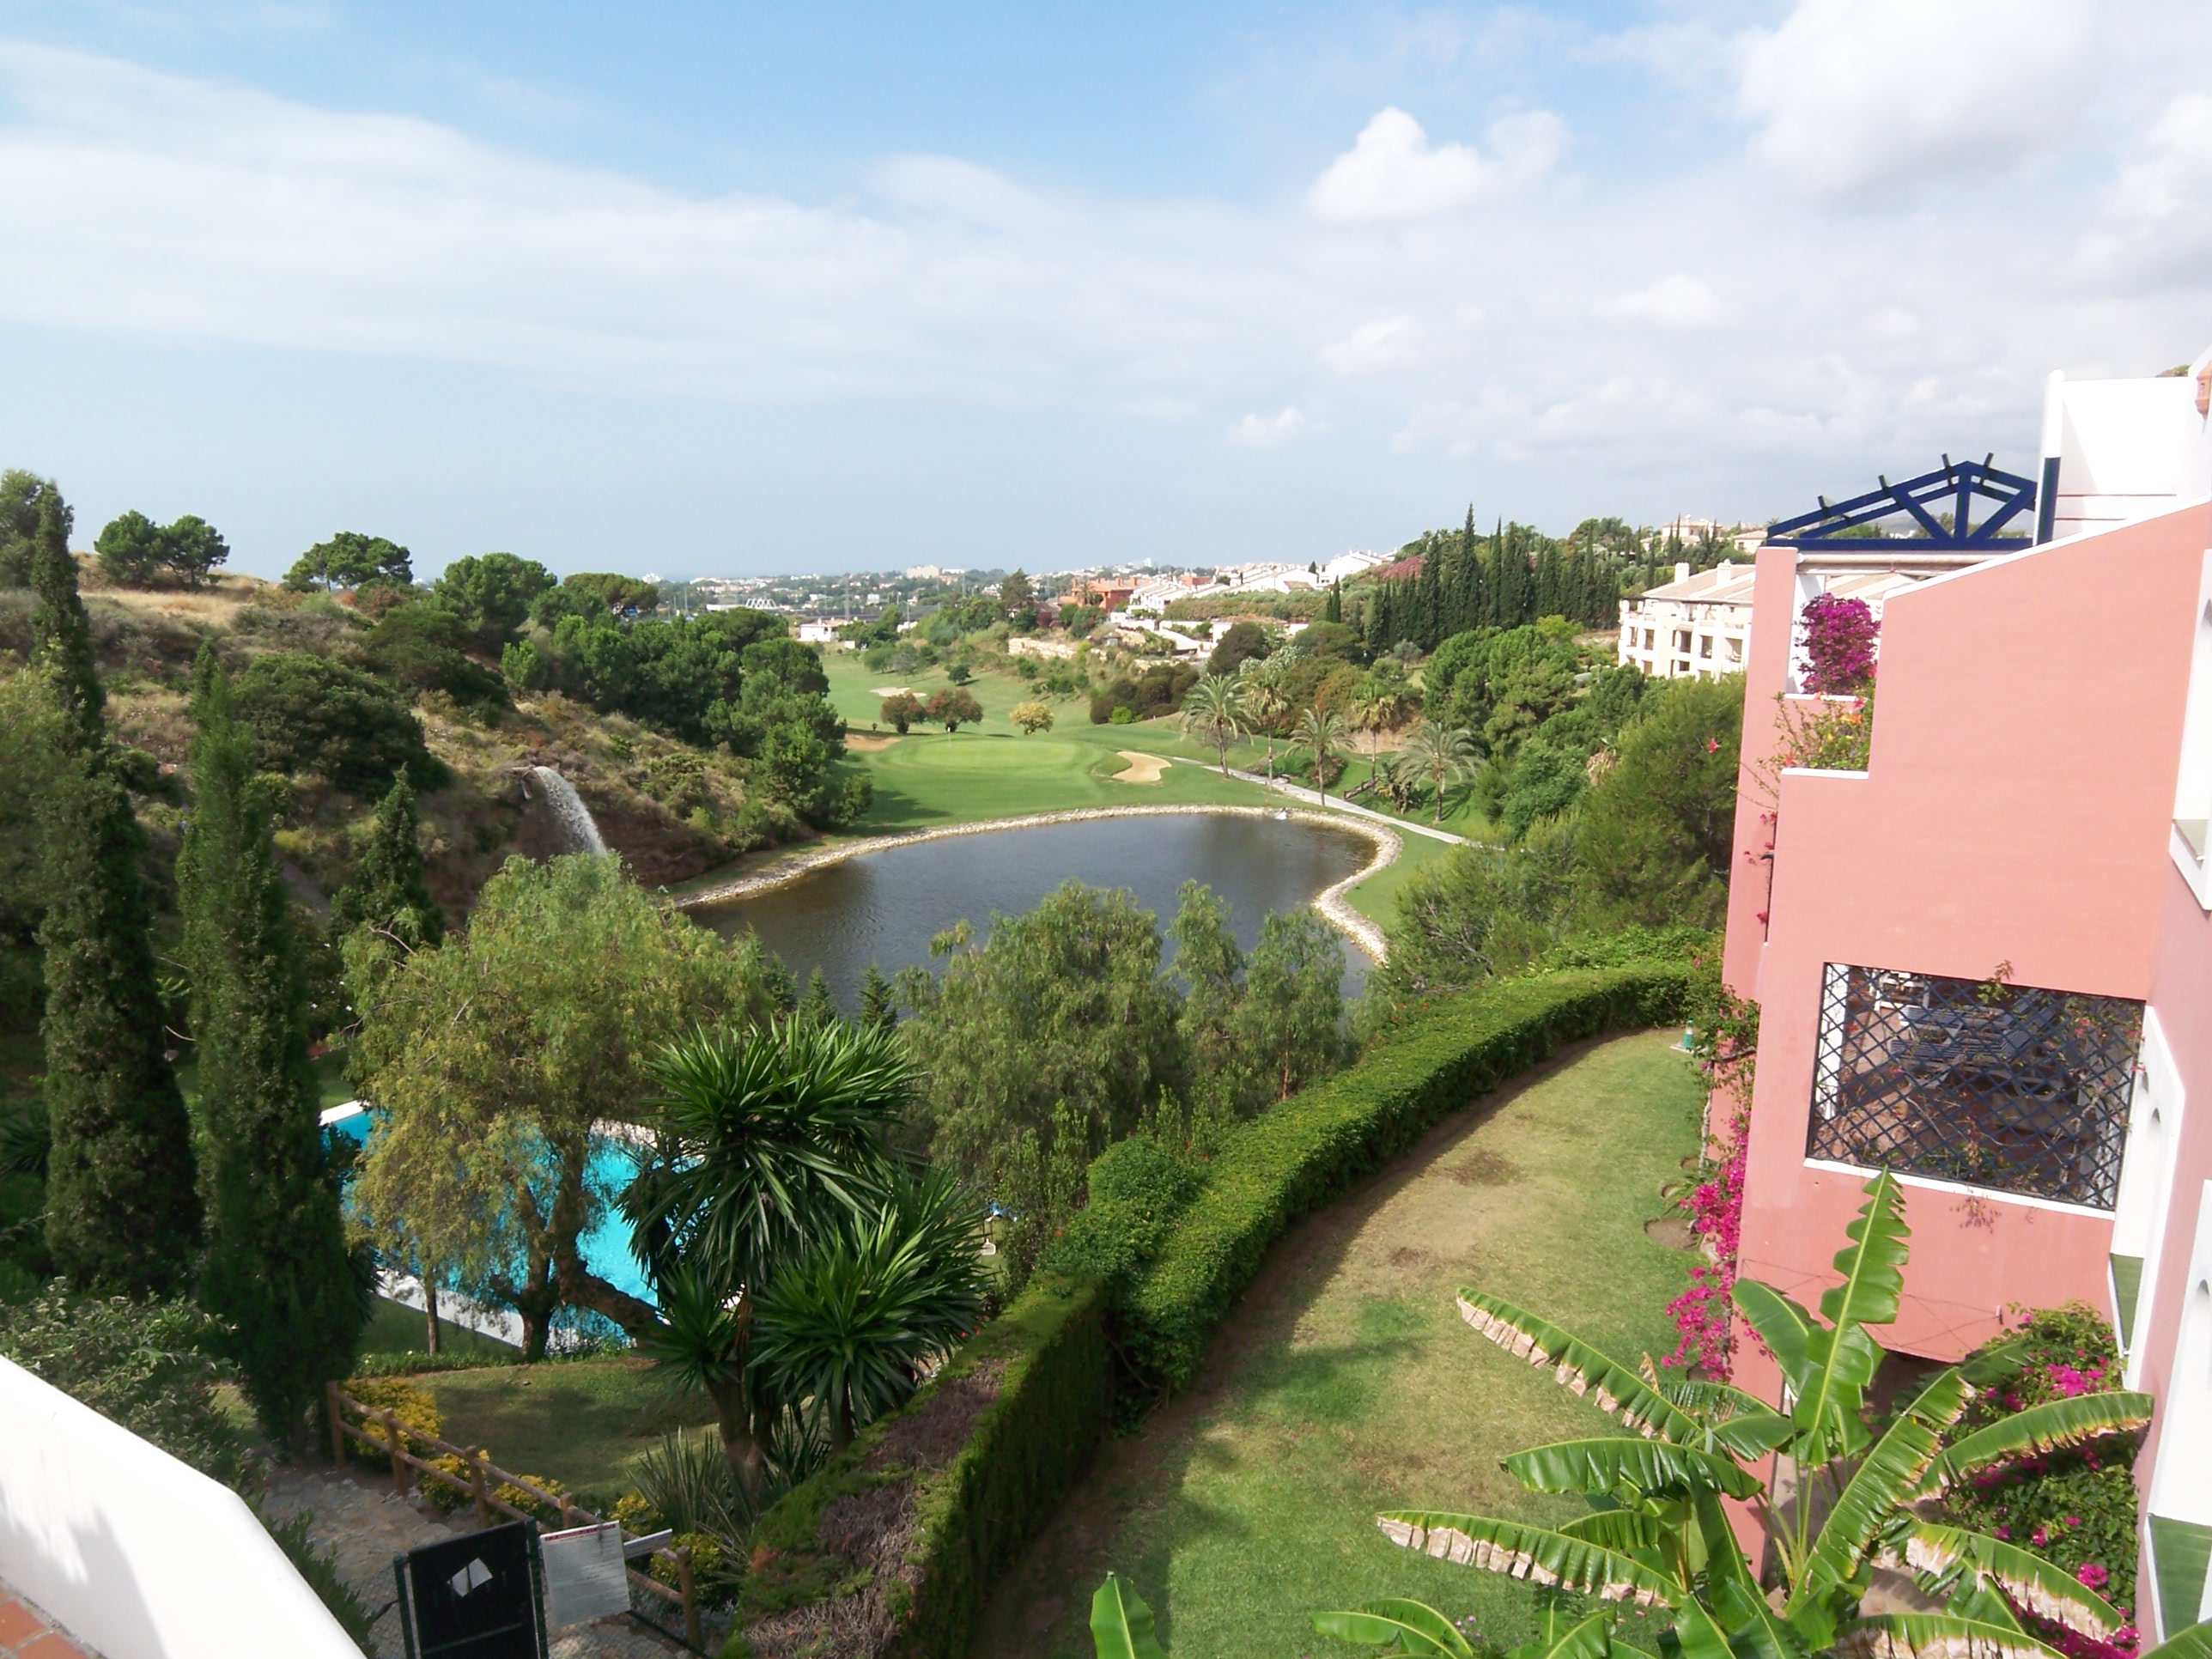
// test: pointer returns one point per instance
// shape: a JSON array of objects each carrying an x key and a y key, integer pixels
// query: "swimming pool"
[{"x": 605, "y": 1247}]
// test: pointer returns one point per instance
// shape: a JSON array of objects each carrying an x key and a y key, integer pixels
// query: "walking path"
[
  {"x": 365, "y": 1524},
  {"x": 1335, "y": 804},
  {"x": 27, "y": 1634}
]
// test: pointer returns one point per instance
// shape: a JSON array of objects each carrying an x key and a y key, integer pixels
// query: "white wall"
[{"x": 135, "y": 1552}]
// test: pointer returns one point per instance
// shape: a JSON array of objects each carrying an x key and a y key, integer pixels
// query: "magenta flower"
[
  {"x": 2093, "y": 1576},
  {"x": 2039, "y": 1538}
]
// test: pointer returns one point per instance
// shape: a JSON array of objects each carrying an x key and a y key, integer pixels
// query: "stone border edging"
[{"x": 1330, "y": 900}]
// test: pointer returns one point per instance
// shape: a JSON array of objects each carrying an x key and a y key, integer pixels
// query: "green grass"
[
  {"x": 1346, "y": 1384},
  {"x": 581, "y": 1421},
  {"x": 394, "y": 1329}
]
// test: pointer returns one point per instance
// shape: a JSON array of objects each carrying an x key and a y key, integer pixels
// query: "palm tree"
[
  {"x": 765, "y": 1140},
  {"x": 853, "y": 1325},
  {"x": 1445, "y": 753},
  {"x": 1320, "y": 731},
  {"x": 1214, "y": 710},
  {"x": 1263, "y": 679},
  {"x": 1378, "y": 705}
]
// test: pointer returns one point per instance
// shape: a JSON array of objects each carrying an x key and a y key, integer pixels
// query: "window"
[
  {"x": 1705, "y": 645},
  {"x": 2015, "y": 1088}
]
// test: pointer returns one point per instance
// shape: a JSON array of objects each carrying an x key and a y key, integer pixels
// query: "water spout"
[{"x": 578, "y": 827}]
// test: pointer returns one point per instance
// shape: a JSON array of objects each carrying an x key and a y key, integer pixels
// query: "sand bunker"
[
  {"x": 1143, "y": 768},
  {"x": 862, "y": 743},
  {"x": 888, "y": 691}
]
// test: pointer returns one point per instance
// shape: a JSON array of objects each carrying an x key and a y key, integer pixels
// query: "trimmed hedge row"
[
  {"x": 1310, "y": 1148},
  {"x": 963, "y": 1509}
]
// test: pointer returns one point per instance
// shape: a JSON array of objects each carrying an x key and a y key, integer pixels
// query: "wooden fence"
[{"x": 396, "y": 1440}]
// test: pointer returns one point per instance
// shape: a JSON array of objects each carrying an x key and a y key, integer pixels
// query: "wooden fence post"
[
  {"x": 337, "y": 1426},
  {"x": 685, "y": 1583},
  {"x": 477, "y": 1481},
  {"x": 391, "y": 1444}
]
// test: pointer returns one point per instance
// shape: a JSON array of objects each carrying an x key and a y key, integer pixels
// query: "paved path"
[
  {"x": 1298, "y": 792},
  {"x": 365, "y": 1524},
  {"x": 27, "y": 1634}
]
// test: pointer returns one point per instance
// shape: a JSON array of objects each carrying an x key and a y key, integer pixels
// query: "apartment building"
[{"x": 1984, "y": 961}]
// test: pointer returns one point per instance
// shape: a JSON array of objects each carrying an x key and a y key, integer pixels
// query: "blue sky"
[{"x": 712, "y": 290}]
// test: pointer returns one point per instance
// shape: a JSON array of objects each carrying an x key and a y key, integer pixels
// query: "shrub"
[
  {"x": 1309, "y": 1149},
  {"x": 318, "y": 1566},
  {"x": 310, "y": 714},
  {"x": 966, "y": 1473},
  {"x": 1137, "y": 1189},
  {"x": 411, "y": 1407}
]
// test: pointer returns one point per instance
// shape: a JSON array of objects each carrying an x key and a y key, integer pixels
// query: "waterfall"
[{"x": 581, "y": 830}]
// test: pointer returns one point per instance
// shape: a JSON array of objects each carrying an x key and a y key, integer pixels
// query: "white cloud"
[
  {"x": 1393, "y": 172},
  {"x": 1267, "y": 431},
  {"x": 1677, "y": 302},
  {"x": 2156, "y": 226},
  {"x": 1373, "y": 348},
  {"x": 1852, "y": 95}
]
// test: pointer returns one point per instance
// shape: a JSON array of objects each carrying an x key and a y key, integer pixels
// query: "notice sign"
[{"x": 584, "y": 1574}]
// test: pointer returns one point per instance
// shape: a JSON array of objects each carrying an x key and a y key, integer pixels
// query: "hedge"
[
  {"x": 964, "y": 1475},
  {"x": 1309, "y": 1149}
]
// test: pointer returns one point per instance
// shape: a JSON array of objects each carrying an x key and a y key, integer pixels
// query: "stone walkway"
[
  {"x": 28, "y": 1633},
  {"x": 365, "y": 1524}
]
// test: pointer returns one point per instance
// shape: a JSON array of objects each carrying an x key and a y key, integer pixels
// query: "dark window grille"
[{"x": 2005, "y": 1086}]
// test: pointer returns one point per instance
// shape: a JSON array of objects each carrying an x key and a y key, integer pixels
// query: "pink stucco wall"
[{"x": 2016, "y": 809}]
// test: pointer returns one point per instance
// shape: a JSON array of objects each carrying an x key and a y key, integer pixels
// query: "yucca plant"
[{"x": 1658, "y": 1536}]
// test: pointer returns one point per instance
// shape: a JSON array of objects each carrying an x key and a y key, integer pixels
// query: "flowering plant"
[
  {"x": 1726, "y": 1046},
  {"x": 1839, "y": 638}
]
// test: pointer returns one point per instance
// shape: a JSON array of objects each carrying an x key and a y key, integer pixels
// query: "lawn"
[
  {"x": 396, "y": 1329},
  {"x": 581, "y": 1421},
  {"x": 1346, "y": 1384}
]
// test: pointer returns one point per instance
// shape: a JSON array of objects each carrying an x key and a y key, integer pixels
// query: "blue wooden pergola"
[{"x": 1956, "y": 486}]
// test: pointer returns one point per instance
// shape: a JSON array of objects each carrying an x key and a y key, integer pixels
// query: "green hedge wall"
[
  {"x": 974, "y": 1503},
  {"x": 1310, "y": 1148}
]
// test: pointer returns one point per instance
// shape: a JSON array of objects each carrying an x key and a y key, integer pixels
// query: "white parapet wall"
[{"x": 135, "y": 1553}]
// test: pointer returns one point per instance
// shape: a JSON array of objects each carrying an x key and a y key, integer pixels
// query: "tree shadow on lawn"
[
  {"x": 1296, "y": 1376},
  {"x": 579, "y": 1421}
]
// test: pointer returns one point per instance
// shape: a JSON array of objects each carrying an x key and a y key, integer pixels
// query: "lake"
[{"x": 884, "y": 907}]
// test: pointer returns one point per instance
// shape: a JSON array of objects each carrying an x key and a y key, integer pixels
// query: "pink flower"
[
  {"x": 2072, "y": 1520},
  {"x": 2005, "y": 1534},
  {"x": 2093, "y": 1576},
  {"x": 2039, "y": 1538}
]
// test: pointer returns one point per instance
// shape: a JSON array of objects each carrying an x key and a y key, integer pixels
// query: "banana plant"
[{"x": 1658, "y": 1536}]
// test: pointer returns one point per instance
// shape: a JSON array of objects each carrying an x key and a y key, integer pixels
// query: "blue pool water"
[{"x": 606, "y": 1247}]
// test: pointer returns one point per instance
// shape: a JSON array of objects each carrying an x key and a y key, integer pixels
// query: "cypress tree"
[
  {"x": 278, "y": 1268},
  {"x": 122, "y": 1213},
  {"x": 1333, "y": 610},
  {"x": 385, "y": 891},
  {"x": 1428, "y": 602}
]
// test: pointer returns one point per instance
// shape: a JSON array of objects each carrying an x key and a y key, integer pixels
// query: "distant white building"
[
  {"x": 1700, "y": 625},
  {"x": 818, "y": 633},
  {"x": 1344, "y": 566},
  {"x": 934, "y": 572}
]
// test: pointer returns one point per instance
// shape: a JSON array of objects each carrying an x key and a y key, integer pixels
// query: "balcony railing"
[{"x": 2014, "y": 1088}]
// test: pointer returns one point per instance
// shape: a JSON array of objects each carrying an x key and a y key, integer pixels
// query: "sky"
[{"x": 727, "y": 290}]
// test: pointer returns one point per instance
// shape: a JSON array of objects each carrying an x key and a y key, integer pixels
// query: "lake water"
[{"x": 884, "y": 907}]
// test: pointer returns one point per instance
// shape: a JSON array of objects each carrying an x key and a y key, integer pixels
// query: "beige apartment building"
[{"x": 1701, "y": 624}]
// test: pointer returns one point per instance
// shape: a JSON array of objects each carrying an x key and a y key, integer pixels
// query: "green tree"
[
  {"x": 493, "y": 593},
  {"x": 1266, "y": 695},
  {"x": 1242, "y": 642},
  {"x": 816, "y": 1007},
  {"x": 1288, "y": 1028},
  {"x": 192, "y": 548},
  {"x": 1444, "y": 755},
  {"x": 900, "y": 711},
  {"x": 1061, "y": 1028},
  {"x": 278, "y": 1272},
  {"x": 1657, "y": 831},
  {"x": 350, "y": 559},
  {"x": 308, "y": 714},
  {"x": 131, "y": 550},
  {"x": 1213, "y": 712},
  {"x": 1032, "y": 717},
  {"x": 21, "y": 495},
  {"x": 878, "y": 1003},
  {"x": 766, "y": 1140},
  {"x": 491, "y": 1058},
  {"x": 122, "y": 1211},
  {"x": 385, "y": 891}
]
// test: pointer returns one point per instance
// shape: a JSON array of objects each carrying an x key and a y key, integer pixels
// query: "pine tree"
[
  {"x": 122, "y": 1213},
  {"x": 816, "y": 1008},
  {"x": 878, "y": 1003},
  {"x": 277, "y": 1270},
  {"x": 385, "y": 891}
]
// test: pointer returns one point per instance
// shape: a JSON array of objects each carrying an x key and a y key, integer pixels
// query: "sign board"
[
  {"x": 477, "y": 1596},
  {"x": 584, "y": 1577}
]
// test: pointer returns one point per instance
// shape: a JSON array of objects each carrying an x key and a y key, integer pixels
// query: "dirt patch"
[
  {"x": 1142, "y": 769},
  {"x": 1406, "y": 1256},
  {"x": 1672, "y": 1230},
  {"x": 862, "y": 744},
  {"x": 1481, "y": 1168},
  {"x": 929, "y": 1436}
]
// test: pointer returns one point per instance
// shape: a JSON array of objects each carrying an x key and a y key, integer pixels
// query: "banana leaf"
[
  {"x": 1617, "y": 1391},
  {"x": 1534, "y": 1554},
  {"x": 1592, "y": 1638},
  {"x": 2193, "y": 1643},
  {"x": 2046, "y": 1591},
  {"x": 1624, "y": 1531},
  {"x": 1783, "y": 1326},
  {"x": 1122, "y": 1624},
  {"x": 1885, "y": 1478},
  {"x": 1649, "y": 1466},
  {"x": 1409, "y": 1627},
  {"x": 1934, "y": 1636},
  {"x": 1841, "y": 1359},
  {"x": 2049, "y": 1426},
  {"x": 1733, "y": 1420}
]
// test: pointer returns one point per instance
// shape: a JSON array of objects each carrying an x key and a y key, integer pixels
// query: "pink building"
[{"x": 1985, "y": 960}]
